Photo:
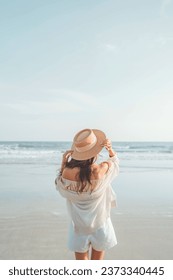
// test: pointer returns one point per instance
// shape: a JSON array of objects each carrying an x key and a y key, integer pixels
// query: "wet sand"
[
  {"x": 34, "y": 223},
  {"x": 39, "y": 236}
]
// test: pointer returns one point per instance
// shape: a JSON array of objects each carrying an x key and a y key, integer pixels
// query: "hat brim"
[{"x": 100, "y": 135}]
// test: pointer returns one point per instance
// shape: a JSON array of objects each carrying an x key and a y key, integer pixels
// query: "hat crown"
[
  {"x": 85, "y": 140},
  {"x": 87, "y": 143}
]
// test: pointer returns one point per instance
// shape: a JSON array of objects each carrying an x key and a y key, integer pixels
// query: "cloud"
[
  {"x": 41, "y": 109},
  {"x": 78, "y": 97},
  {"x": 163, "y": 40},
  {"x": 109, "y": 47},
  {"x": 164, "y": 5},
  {"x": 36, "y": 96},
  {"x": 62, "y": 101}
]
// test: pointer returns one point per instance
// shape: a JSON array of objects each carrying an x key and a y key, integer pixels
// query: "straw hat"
[{"x": 87, "y": 143}]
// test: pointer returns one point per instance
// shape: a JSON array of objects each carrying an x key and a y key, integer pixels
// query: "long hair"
[{"x": 84, "y": 175}]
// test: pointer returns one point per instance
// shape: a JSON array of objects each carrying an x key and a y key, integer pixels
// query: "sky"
[{"x": 73, "y": 64}]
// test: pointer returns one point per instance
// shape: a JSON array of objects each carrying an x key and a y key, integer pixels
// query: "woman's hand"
[
  {"x": 65, "y": 158},
  {"x": 108, "y": 145},
  {"x": 66, "y": 155}
]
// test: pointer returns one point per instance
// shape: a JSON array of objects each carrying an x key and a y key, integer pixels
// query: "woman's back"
[{"x": 97, "y": 172}]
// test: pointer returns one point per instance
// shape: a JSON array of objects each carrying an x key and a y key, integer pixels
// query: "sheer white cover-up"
[{"x": 89, "y": 210}]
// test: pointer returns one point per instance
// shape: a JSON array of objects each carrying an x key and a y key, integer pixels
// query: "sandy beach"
[
  {"x": 39, "y": 236},
  {"x": 34, "y": 222}
]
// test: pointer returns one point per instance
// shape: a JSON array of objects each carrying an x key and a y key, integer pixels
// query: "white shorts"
[{"x": 102, "y": 239}]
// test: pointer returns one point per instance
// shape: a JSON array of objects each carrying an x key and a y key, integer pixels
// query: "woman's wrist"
[{"x": 111, "y": 152}]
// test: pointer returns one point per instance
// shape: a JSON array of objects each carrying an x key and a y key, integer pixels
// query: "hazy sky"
[{"x": 72, "y": 64}]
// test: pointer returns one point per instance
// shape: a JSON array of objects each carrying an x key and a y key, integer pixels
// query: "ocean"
[{"x": 133, "y": 155}]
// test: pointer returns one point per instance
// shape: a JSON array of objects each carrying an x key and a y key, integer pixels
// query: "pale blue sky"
[{"x": 67, "y": 65}]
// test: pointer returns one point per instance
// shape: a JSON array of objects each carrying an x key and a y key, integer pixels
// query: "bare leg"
[
  {"x": 81, "y": 256},
  {"x": 97, "y": 255}
]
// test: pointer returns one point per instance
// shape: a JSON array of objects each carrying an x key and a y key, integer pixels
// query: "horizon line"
[{"x": 169, "y": 141}]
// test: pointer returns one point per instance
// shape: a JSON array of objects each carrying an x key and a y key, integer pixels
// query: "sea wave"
[{"x": 51, "y": 152}]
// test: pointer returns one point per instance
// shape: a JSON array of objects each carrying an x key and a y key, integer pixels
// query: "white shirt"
[{"x": 89, "y": 210}]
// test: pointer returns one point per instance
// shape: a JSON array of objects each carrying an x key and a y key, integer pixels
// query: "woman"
[{"x": 86, "y": 187}]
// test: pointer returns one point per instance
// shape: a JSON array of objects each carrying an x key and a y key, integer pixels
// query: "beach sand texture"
[{"x": 34, "y": 221}]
